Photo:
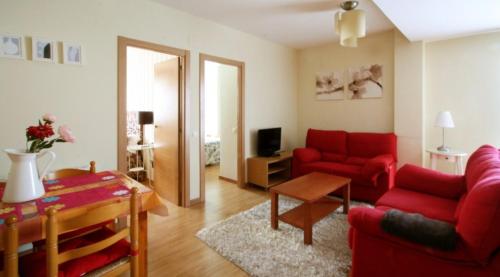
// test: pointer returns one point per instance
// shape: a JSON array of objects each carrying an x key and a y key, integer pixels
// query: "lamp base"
[{"x": 443, "y": 148}]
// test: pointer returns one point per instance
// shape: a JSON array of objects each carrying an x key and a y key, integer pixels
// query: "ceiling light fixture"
[{"x": 350, "y": 24}]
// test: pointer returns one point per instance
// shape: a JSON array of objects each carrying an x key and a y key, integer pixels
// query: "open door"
[{"x": 167, "y": 132}]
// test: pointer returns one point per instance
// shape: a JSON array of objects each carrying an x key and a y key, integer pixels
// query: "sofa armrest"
[
  {"x": 306, "y": 155},
  {"x": 376, "y": 166},
  {"x": 366, "y": 220},
  {"x": 429, "y": 181}
]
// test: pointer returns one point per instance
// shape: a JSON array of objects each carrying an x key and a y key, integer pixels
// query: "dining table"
[{"x": 74, "y": 196}]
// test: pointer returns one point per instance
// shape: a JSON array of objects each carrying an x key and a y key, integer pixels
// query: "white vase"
[{"x": 25, "y": 181}]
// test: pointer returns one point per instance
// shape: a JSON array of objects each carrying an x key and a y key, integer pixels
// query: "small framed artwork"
[
  {"x": 72, "y": 53},
  {"x": 365, "y": 82},
  {"x": 329, "y": 86},
  {"x": 44, "y": 50},
  {"x": 12, "y": 46}
]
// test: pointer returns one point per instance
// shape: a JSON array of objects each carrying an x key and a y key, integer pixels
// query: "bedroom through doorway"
[{"x": 221, "y": 140}]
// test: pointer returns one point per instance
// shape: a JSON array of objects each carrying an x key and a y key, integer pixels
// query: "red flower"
[{"x": 40, "y": 132}]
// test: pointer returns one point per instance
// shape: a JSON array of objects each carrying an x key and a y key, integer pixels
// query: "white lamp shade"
[
  {"x": 350, "y": 26},
  {"x": 444, "y": 120}
]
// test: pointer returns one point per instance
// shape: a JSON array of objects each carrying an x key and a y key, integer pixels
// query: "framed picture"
[
  {"x": 44, "y": 50},
  {"x": 365, "y": 82},
  {"x": 72, "y": 53},
  {"x": 12, "y": 46},
  {"x": 330, "y": 86}
]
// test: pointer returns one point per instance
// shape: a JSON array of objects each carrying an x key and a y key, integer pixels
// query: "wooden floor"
[{"x": 174, "y": 249}]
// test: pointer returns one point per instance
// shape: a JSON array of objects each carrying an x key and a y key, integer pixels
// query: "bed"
[{"x": 212, "y": 151}]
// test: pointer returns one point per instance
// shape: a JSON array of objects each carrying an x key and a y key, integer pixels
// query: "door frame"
[
  {"x": 241, "y": 119},
  {"x": 123, "y": 42}
]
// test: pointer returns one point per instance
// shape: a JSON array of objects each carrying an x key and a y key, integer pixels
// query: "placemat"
[
  {"x": 74, "y": 181},
  {"x": 81, "y": 198}
]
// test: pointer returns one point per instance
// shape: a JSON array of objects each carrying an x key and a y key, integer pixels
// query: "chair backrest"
[
  {"x": 69, "y": 172},
  {"x": 11, "y": 244},
  {"x": 478, "y": 221},
  {"x": 57, "y": 224}
]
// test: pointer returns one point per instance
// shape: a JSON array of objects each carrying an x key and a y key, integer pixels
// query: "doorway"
[
  {"x": 221, "y": 121},
  {"x": 151, "y": 117}
]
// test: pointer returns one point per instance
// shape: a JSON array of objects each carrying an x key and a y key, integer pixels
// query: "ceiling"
[
  {"x": 442, "y": 19},
  {"x": 295, "y": 23},
  {"x": 305, "y": 23}
]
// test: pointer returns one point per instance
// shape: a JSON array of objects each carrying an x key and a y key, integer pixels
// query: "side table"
[{"x": 453, "y": 156}]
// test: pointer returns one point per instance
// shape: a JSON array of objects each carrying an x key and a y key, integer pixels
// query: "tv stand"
[{"x": 269, "y": 171}]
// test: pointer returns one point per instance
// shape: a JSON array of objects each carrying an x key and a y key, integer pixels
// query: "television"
[{"x": 268, "y": 141}]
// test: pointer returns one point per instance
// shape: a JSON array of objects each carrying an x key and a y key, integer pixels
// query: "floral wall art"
[
  {"x": 330, "y": 86},
  {"x": 365, "y": 82}
]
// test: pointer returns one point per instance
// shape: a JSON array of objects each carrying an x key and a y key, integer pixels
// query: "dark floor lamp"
[{"x": 145, "y": 118}]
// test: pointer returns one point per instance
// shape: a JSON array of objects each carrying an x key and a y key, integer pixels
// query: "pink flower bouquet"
[{"x": 40, "y": 136}]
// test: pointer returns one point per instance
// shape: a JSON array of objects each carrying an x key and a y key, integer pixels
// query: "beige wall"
[
  {"x": 371, "y": 115},
  {"x": 409, "y": 80},
  {"x": 85, "y": 97},
  {"x": 463, "y": 77}
]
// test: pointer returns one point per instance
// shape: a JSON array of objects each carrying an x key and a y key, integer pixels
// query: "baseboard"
[
  {"x": 228, "y": 180},
  {"x": 193, "y": 202}
]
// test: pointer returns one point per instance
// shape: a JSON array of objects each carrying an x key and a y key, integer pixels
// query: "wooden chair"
[
  {"x": 11, "y": 244},
  {"x": 69, "y": 172},
  {"x": 63, "y": 223}
]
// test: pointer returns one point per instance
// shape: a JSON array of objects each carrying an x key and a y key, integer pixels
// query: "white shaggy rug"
[{"x": 247, "y": 240}]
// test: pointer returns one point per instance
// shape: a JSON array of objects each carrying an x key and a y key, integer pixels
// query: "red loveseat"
[
  {"x": 470, "y": 202},
  {"x": 369, "y": 159}
]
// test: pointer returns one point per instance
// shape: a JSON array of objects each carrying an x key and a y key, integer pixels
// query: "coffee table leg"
[
  {"x": 274, "y": 210},
  {"x": 347, "y": 197},
  {"x": 307, "y": 224}
]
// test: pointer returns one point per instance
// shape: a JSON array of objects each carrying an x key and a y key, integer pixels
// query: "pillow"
[{"x": 420, "y": 229}]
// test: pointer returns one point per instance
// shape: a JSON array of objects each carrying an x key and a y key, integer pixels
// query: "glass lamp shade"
[
  {"x": 444, "y": 120},
  {"x": 350, "y": 26}
]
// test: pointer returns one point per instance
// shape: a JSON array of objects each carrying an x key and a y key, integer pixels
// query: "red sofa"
[
  {"x": 470, "y": 202},
  {"x": 369, "y": 159}
]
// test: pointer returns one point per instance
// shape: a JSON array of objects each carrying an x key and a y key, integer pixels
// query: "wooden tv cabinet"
[{"x": 269, "y": 171}]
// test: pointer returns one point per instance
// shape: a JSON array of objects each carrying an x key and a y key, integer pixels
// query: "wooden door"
[{"x": 166, "y": 113}]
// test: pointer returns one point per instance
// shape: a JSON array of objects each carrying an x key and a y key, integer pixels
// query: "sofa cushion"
[
  {"x": 369, "y": 145},
  {"x": 356, "y": 161},
  {"x": 327, "y": 141},
  {"x": 416, "y": 202},
  {"x": 345, "y": 170},
  {"x": 332, "y": 157}
]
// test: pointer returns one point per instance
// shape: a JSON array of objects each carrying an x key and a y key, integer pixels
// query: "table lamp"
[
  {"x": 444, "y": 120},
  {"x": 145, "y": 118}
]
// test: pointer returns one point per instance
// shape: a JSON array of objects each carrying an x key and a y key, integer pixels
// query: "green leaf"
[{"x": 34, "y": 146}]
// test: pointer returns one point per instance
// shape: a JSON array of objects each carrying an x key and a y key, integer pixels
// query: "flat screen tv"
[{"x": 268, "y": 141}]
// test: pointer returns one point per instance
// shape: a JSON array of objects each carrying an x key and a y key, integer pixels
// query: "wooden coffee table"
[{"x": 313, "y": 190}]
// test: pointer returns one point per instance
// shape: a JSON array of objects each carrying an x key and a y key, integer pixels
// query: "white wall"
[
  {"x": 463, "y": 77},
  {"x": 370, "y": 115},
  {"x": 85, "y": 97},
  {"x": 228, "y": 93}
]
